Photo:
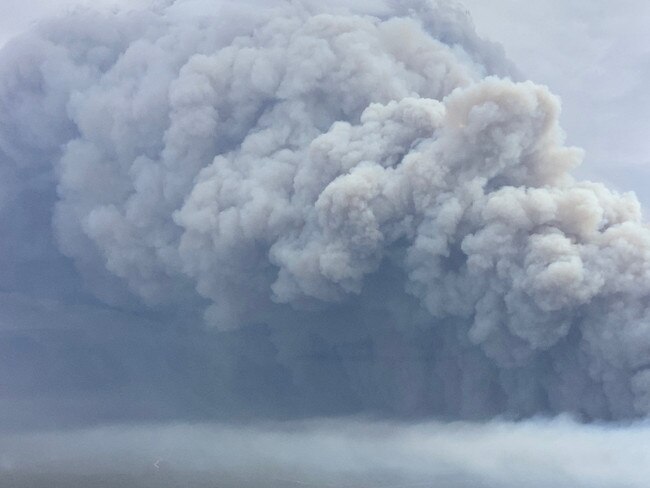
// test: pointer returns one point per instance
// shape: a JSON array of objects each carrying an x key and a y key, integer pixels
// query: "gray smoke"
[{"x": 368, "y": 188}]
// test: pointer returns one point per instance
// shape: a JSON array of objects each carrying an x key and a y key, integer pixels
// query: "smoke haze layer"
[
  {"x": 362, "y": 205},
  {"x": 331, "y": 454}
]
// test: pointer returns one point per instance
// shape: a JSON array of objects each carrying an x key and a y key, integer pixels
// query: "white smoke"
[
  {"x": 351, "y": 454},
  {"x": 286, "y": 164}
]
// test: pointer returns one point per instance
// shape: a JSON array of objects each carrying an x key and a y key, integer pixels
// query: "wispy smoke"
[{"x": 367, "y": 188}]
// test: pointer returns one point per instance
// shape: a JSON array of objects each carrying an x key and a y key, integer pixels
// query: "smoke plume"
[{"x": 362, "y": 204}]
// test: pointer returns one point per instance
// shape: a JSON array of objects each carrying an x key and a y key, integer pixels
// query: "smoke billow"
[{"x": 373, "y": 214}]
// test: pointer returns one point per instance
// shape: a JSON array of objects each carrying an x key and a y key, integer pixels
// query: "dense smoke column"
[{"x": 369, "y": 186}]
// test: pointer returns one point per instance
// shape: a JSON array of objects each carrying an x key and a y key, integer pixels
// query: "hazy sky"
[{"x": 596, "y": 56}]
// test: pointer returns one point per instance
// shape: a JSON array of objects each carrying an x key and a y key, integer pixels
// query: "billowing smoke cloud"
[
  {"x": 368, "y": 188},
  {"x": 331, "y": 454}
]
